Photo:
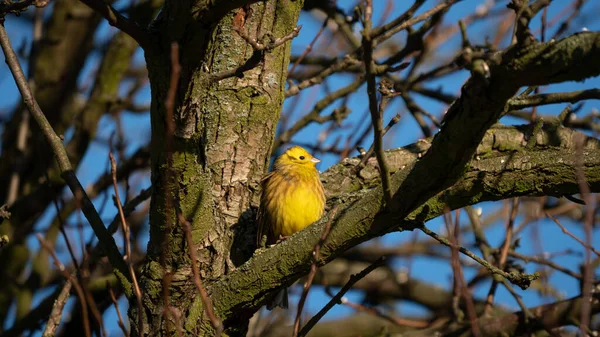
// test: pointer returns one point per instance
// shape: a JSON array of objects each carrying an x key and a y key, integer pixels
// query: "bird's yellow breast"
[
  {"x": 291, "y": 200},
  {"x": 299, "y": 208}
]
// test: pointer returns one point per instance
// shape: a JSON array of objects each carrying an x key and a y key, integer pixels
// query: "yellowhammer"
[{"x": 292, "y": 198}]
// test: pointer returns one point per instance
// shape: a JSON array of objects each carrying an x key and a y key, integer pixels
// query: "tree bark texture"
[
  {"x": 207, "y": 171},
  {"x": 220, "y": 149}
]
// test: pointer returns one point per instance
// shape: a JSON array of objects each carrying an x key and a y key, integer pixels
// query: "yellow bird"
[{"x": 292, "y": 198}]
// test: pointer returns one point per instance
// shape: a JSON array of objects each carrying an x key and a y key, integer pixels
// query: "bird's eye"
[{"x": 301, "y": 157}]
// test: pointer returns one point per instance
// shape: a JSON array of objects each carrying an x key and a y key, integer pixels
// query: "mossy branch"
[{"x": 502, "y": 168}]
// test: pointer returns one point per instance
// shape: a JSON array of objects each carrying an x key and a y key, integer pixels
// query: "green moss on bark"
[{"x": 219, "y": 148}]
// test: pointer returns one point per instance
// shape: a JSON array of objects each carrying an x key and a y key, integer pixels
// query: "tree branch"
[
  {"x": 522, "y": 102},
  {"x": 67, "y": 173},
  {"x": 548, "y": 316},
  {"x": 115, "y": 19},
  {"x": 502, "y": 168}
]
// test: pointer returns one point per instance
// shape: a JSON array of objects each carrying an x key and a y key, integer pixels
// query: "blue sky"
[{"x": 405, "y": 132}]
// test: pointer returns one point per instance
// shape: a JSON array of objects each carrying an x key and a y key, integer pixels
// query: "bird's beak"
[{"x": 315, "y": 160}]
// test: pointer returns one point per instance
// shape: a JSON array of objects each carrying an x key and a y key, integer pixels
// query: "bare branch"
[
  {"x": 523, "y": 101},
  {"x": 114, "y": 300},
  {"x": 67, "y": 173},
  {"x": 522, "y": 280},
  {"x": 313, "y": 271},
  {"x": 70, "y": 278},
  {"x": 566, "y": 231},
  {"x": 376, "y": 114},
  {"x": 126, "y": 239},
  {"x": 338, "y": 298},
  {"x": 56, "y": 314},
  {"x": 115, "y": 19}
]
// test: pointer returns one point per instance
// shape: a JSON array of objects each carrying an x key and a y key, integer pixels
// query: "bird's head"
[{"x": 296, "y": 155}]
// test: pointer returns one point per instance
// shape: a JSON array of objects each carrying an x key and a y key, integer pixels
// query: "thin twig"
[
  {"x": 24, "y": 124},
  {"x": 588, "y": 224},
  {"x": 384, "y": 32},
  {"x": 206, "y": 301},
  {"x": 94, "y": 309},
  {"x": 63, "y": 231},
  {"x": 315, "y": 114},
  {"x": 116, "y": 304},
  {"x": 524, "y": 101},
  {"x": 80, "y": 294},
  {"x": 313, "y": 270},
  {"x": 104, "y": 238},
  {"x": 337, "y": 299},
  {"x": 309, "y": 47},
  {"x": 378, "y": 313},
  {"x": 566, "y": 231},
  {"x": 126, "y": 241},
  {"x": 489, "y": 301},
  {"x": 539, "y": 260},
  {"x": 346, "y": 62},
  {"x": 527, "y": 313},
  {"x": 56, "y": 313},
  {"x": 460, "y": 286},
  {"x": 376, "y": 114},
  {"x": 115, "y": 19},
  {"x": 522, "y": 280}
]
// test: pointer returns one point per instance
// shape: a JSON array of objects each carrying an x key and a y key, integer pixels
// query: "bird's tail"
[{"x": 280, "y": 300}]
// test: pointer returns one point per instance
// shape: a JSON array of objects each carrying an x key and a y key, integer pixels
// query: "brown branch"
[
  {"x": 376, "y": 114},
  {"x": 539, "y": 260},
  {"x": 378, "y": 313},
  {"x": 338, "y": 297},
  {"x": 313, "y": 271},
  {"x": 20, "y": 6},
  {"x": 548, "y": 316},
  {"x": 460, "y": 288},
  {"x": 115, "y": 19},
  {"x": 399, "y": 20},
  {"x": 386, "y": 93},
  {"x": 522, "y": 280},
  {"x": 70, "y": 278},
  {"x": 56, "y": 314},
  {"x": 386, "y": 31},
  {"x": 338, "y": 66},
  {"x": 524, "y": 101},
  {"x": 126, "y": 240},
  {"x": 514, "y": 208},
  {"x": 315, "y": 114},
  {"x": 524, "y": 14},
  {"x": 114, "y": 300},
  {"x": 309, "y": 47},
  {"x": 588, "y": 224},
  {"x": 67, "y": 173},
  {"x": 566, "y": 231}
]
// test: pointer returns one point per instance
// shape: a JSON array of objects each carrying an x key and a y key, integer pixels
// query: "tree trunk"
[{"x": 221, "y": 145}]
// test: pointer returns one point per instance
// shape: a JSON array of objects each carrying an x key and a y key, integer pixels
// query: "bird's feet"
[{"x": 281, "y": 239}]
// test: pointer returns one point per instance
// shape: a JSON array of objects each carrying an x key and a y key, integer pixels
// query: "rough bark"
[{"x": 220, "y": 149}]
